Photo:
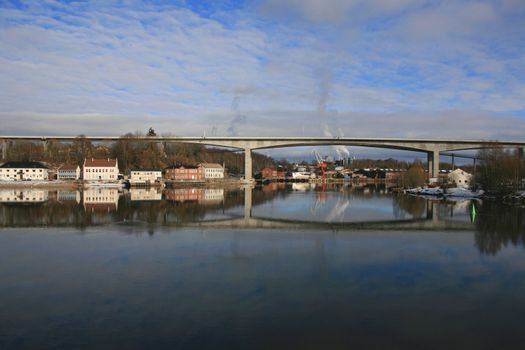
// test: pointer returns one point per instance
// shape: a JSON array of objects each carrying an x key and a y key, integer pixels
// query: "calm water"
[{"x": 279, "y": 267}]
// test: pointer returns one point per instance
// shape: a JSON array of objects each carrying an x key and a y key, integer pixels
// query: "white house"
[
  {"x": 23, "y": 171},
  {"x": 100, "y": 169},
  {"x": 68, "y": 172},
  {"x": 212, "y": 171},
  {"x": 145, "y": 177},
  {"x": 460, "y": 177}
]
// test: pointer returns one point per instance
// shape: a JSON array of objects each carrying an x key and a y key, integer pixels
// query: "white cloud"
[{"x": 397, "y": 68}]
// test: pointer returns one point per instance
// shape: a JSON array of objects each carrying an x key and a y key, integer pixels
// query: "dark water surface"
[{"x": 280, "y": 268}]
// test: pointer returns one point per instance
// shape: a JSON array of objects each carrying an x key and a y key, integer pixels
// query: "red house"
[
  {"x": 269, "y": 172},
  {"x": 192, "y": 173}
]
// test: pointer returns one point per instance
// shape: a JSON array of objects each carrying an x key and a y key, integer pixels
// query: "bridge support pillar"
[
  {"x": 520, "y": 167},
  {"x": 4, "y": 149},
  {"x": 433, "y": 164},
  {"x": 247, "y": 202},
  {"x": 248, "y": 175}
]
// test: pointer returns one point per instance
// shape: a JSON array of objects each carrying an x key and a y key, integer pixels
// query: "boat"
[
  {"x": 462, "y": 192},
  {"x": 425, "y": 191},
  {"x": 302, "y": 175},
  {"x": 432, "y": 191}
]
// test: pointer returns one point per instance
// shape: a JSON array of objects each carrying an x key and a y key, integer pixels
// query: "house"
[
  {"x": 68, "y": 172},
  {"x": 184, "y": 173},
  {"x": 100, "y": 169},
  {"x": 460, "y": 177},
  {"x": 145, "y": 177},
  {"x": 269, "y": 173},
  {"x": 212, "y": 171},
  {"x": 23, "y": 171}
]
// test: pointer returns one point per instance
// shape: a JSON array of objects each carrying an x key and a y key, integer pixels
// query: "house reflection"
[
  {"x": 212, "y": 196},
  {"x": 203, "y": 196},
  {"x": 23, "y": 196},
  {"x": 101, "y": 199},
  {"x": 66, "y": 197},
  {"x": 145, "y": 194},
  {"x": 182, "y": 195}
]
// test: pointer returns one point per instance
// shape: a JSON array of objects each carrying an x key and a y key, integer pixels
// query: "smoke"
[
  {"x": 238, "y": 118},
  {"x": 329, "y": 119}
]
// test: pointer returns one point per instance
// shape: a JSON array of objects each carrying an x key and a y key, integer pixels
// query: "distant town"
[{"x": 105, "y": 171}]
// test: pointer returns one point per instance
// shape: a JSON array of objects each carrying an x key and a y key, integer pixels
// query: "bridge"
[{"x": 432, "y": 147}]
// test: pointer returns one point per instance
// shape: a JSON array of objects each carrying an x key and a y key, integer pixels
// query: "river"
[{"x": 278, "y": 266}]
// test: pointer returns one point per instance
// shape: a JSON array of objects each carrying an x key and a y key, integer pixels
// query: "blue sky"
[{"x": 376, "y": 68}]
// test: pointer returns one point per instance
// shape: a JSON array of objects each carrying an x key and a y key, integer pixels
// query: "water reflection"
[
  {"x": 276, "y": 206},
  {"x": 23, "y": 196}
]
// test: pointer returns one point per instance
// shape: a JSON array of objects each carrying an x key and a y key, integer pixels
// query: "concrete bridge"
[{"x": 432, "y": 147}]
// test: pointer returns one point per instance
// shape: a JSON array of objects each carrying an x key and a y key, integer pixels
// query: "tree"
[
  {"x": 415, "y": 175},
  {"x": 81, "y": 149},
  {"x": 499, "y": 170},
  {"x": 127, "y": 151}
]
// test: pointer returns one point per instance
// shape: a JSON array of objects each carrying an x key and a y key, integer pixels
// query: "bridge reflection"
[
  {"x": 291, "y": 207},
  {"x": 249, "y": 221}
]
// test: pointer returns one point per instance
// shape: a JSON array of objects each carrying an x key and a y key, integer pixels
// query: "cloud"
[{"x": 406, "y": 68}]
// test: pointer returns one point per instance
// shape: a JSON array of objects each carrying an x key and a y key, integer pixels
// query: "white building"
[
  {"x": 68, "y": 172},
  {"x": 23, "y": 171},
  {"x": 145, "y": 177},
  {"x": 460, "y": 177},
  {"x": 212, "y": 171},
  {"x": 100, "y": 169}
]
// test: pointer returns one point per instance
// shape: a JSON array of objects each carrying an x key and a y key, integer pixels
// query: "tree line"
[
  {"x": 501, "y": 171},
  {"x": 132, "y": 153}
]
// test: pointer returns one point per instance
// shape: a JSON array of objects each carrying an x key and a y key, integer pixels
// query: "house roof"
[
  {"x": 211, "y": 165},
  {"x": 98, "y": 162},
  {"x": 146, "y": 169},
  {"x": 23, "y": 165},
  {"x": 460, "y": 171},
  {"x": 68, "y": 167},
  {"x": 183, "y": 167}
]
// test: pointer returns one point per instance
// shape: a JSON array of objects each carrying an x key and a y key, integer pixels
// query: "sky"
[{"x": 377, "y": 68}]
